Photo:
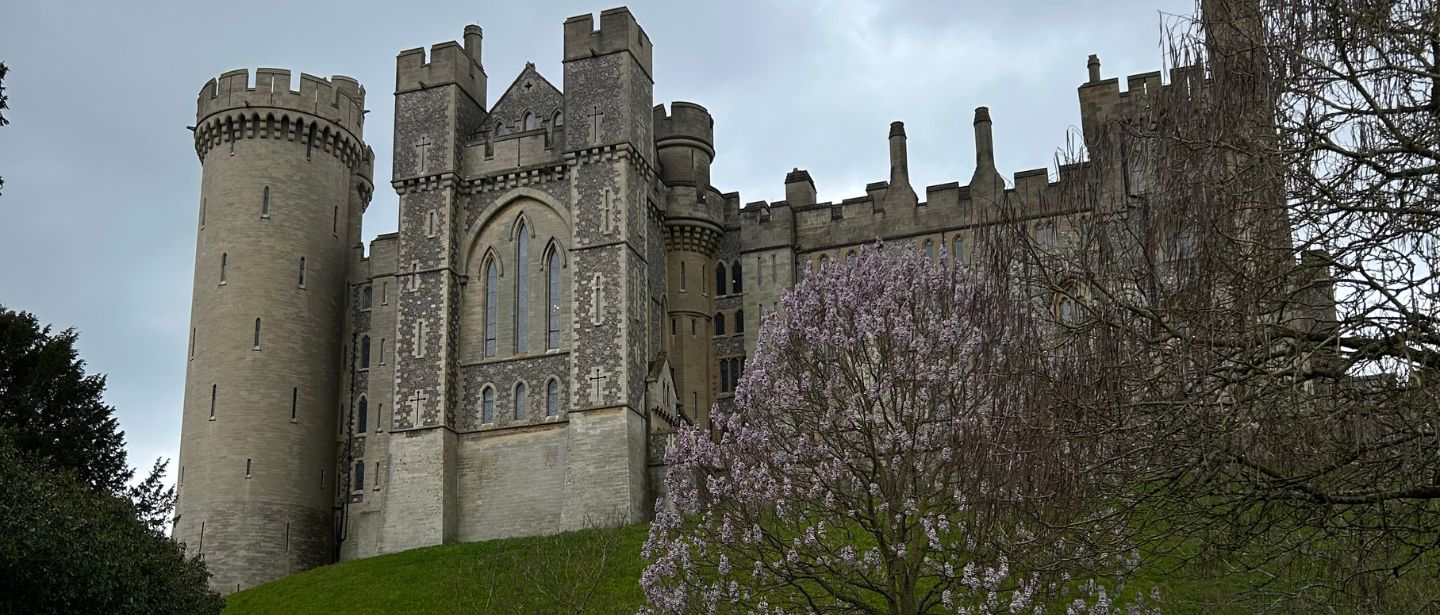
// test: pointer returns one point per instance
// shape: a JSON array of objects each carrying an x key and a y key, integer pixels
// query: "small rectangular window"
[
  {"x": 212, "y": 401},
  {"x": 302, "y": 272},
  {"x": 224, "y": 266},
  {"x": 384, "y": 293},
  {"x": 247, "y": 468},
  {"x": 294, "y": 402},
  {"x": 335, "y": 220},
  {"x": 377, "y": 476},
  {"x": 265, "y": 203}
]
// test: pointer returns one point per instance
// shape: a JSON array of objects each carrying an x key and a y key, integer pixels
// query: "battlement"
[
  {"x": 685, "y": 124},
  {"x": 618, "y": 32},
  {"x": 1102, "y": 99},
  {"x": 448, "y": 63},
  {"x": 340, "y": 99}
]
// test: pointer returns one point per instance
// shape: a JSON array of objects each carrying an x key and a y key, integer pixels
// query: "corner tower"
[{"x": 285, "y": 179}]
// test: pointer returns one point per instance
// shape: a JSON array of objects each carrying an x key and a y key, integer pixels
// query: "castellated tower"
[
  {"x": 685, "y": 146},
  {"x": 286, "y": 177}
]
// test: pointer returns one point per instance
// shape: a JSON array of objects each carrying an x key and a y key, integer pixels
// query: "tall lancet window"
[
  {"x": 530, "y": 122},
  {"x": 552, "y": 398},
  {"x": 552, "y": 301},
  {"x": 522, "y": 289},
  {"x": 487, "y": 405},
  {"x": 257, "y": 334},
  {"x": 522, "y": 402},
  {"x": 492, "y": 305}
]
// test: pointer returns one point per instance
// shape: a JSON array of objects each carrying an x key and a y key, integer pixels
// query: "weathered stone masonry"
[{"x": 562, "y": 248}]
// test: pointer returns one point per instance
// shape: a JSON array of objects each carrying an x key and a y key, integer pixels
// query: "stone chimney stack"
[
  {"x": 900, "y": 191},
  {"x": 986, "y": 183}
]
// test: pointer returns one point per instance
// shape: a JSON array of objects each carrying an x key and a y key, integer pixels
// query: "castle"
[{"x": 565, "y": 288}]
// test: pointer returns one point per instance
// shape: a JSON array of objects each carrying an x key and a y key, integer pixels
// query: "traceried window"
[
  {"x": 492, "y": 305},
  {"x": 487, "y": 405},
  {"x": 736, "y": 286},
  {"x": 522, "y": 401},
  {"x": 719, "y": 324},
  {"x": 530, "y": 122},
  {"x": 552, "y": 301},
  {"x": 522, "y": 289},
  {"x": 719, "y": 279},
  {"x": 552, "y": 398}
]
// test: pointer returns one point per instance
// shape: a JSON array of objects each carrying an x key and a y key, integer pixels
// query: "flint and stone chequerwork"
[{"x": 565, "y": 289}]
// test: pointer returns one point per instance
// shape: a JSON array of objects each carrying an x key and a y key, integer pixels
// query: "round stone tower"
[
  {"x": 286, "y": 177},
  {"x": 694, "y": 223}
]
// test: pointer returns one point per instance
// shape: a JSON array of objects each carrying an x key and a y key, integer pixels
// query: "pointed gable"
[{"x": 530, "y": 93}]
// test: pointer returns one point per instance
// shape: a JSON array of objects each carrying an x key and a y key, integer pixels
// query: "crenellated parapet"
[
  {"x": 618, "y": 32},
  {"x": 1102, "y": 100},
  {"x": 685, "y": 124},
  {"x": 448, "y": 63},
  {"x": 324, "y": 116}
]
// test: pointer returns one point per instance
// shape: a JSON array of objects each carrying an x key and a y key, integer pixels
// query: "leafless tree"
[{"x": 1252, "y": 301}]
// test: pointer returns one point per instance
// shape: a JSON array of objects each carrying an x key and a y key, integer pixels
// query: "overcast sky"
[{"x": 101, "y": 195}]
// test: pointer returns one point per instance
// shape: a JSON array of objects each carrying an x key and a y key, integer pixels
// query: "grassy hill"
[{"x": 597, "y": 568}]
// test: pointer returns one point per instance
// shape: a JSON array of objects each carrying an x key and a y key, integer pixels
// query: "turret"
[{"x": 285, "y": 178}]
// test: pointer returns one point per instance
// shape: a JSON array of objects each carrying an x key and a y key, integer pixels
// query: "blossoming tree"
[{"x": 888, "y": 452}]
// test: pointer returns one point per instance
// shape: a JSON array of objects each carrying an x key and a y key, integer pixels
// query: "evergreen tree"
[{"x": 51, "y": 409}]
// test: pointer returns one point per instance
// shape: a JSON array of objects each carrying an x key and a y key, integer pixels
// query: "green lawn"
[
  {"x": 499, "y": 576},
  {"x": 598, "y": 570}
]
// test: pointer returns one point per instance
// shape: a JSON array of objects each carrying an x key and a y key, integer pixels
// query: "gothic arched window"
[
  {"x": 719, "y": 279},
  {"x": 492, "y": 305},
  {"x": 530, "y": 122},
  {"x": 719, "y": 323},
  {"x": 362, "y": 414},
  {"x": 552, "y": 301},
  {"x": 559, "y": 119},
  {"x": 522, "y": 401},
  {"x": 735, "y": 284},
  {"x": 958, "y": 251},
  {"x": 499, "y": 129},
  {"x": 929, "y": 250},
  {"x": 487, "y": 405},
  {"x": 552, "y": 398},
  {"x": 522, "y": 289}
]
